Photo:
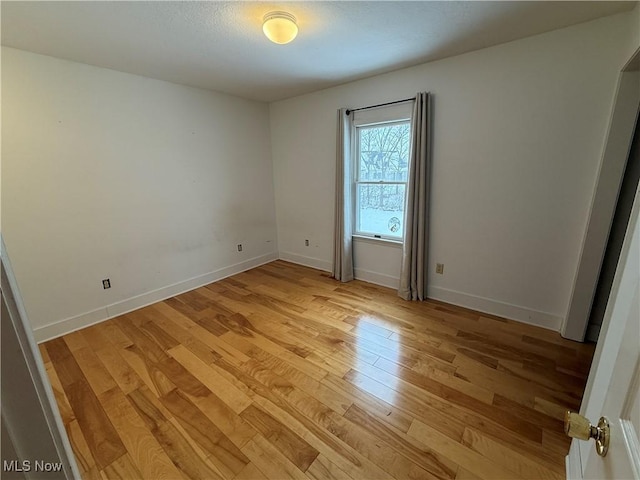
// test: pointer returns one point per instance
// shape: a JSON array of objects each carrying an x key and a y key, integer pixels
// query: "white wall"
[
  {"x": 111, "y": 175},
  {"x": 151, "y": 184},
  {"x": 518, "y": 134}
]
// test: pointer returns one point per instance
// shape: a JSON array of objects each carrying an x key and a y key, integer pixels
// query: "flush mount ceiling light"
[{"x": 280, "y": 27}]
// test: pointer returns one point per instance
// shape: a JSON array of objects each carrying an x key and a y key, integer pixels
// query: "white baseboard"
[
  {"x": 360, "y": 274},
  {"x": 481, "y": 304},
  {"x": 377, "y": 278},
  {"x": 573, "y": 464},
  {"x": 62, "y": 327},
  {"x": 68, "y": 325},
  {"x": 514, "y": 312},
  {"x": 495, "y": 307},
  {"x": 306, "y": 261}
]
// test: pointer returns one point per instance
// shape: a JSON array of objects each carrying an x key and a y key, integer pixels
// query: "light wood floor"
[{"x": 282, "y": 372}]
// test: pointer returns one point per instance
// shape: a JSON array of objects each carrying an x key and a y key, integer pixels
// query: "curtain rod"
[{"x": 349, "y": 110}]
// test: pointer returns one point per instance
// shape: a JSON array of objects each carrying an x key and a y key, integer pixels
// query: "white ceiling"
[{"x": 220, "y": 45}]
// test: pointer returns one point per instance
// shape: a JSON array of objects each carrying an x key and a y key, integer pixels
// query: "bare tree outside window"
[{"x": 383, "y": 153}]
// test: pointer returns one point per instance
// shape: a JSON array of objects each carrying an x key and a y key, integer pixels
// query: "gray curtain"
[
  {"x": 343, "y": 244},
  {"x": 413, "y": 274}
]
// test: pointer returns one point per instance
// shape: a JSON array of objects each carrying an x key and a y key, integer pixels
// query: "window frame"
[{"x": 394, "y": 118}]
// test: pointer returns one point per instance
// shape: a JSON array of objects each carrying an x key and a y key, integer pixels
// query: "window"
[{"x": 381, "y": 168}]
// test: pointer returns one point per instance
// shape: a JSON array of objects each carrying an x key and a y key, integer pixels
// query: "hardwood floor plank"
[
  {"x": 388, "y": 413},
  {"x": 426, "y": 350},
  {"x": 144, "y": 342},
  {"x": 147, "y": 370},
  {"x": 250, "y": 325},
  {"x": 478, "y": 392},
  {"x": 359, "y": 439},
  {"x": 332, "y": 399},
  {"x": 111, "y": 331},
  {"x": 75, "y": 341},
  {"x": 126, "y": 378},
  {"x": 464, "y": 456},
  {"x": 66, "y": 368},
  {"x": 516, "y": 389},
  {"x": 464, "y": 395},
  {"x": 489, "y": 346},
  {"x": 182, "y": 378},
  {"x": 281, "y": 291},
  {"x": 324, "y": 469},
  {"x": 299, "y": 452},
  {"x": 101, "y": 437},
  {"x": 282, "y": 372},
  {"x": 154, "y": 327},
  {"x": 431, "y": 461},
  {"x": 123, "y": 468},
  {"x": 228, "y": 421},
  {"x": 550, "y": 409},
  {"x": 330, "y": 447},
  {"x": 182, "y": 454},
  {"x": 164, "y": 317},
  {"x": 448, "y": 425},
  {"x": 227, "y": 392},
  {"x": 462, "y": 408},
  {"x": 478, "y": 357},
  {"x": 270, "y": 460},
  {"x": 556, "y": 446},
  {"x": 142, "y": 446},
  {"x": 538, "y": 418},
  {"x": 310, "y": 414},
  {"x": 185, "y": 452},
  {"x": 198, "y": 449},
  {"x": 93, "y": 474},
  {"x": 149, "y": 407},
  {"x": 94, "y": 371},
  {"x": 466, "y": 475},
  {"x": 66, "y": 412},
  {"x": 329, "y": 364},
  {"x": 81, "y": 450},
  {"x": 522, "y": 466},
  {"x": 219, "y": 346},
  {"x": 250, "y": 472},
  {"x": 222, "y": 452}
]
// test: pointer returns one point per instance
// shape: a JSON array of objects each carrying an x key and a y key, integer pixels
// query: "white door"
[{"x": 613, "y": 389}]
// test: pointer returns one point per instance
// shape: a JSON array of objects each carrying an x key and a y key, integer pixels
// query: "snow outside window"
[{"x": 381, "y": 169}]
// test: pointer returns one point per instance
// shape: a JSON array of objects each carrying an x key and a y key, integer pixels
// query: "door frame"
[
  {"x": 611, "y": 333},
  {"x": 603, "y": 203},
  {"x": 602, "y": 368},
  {"x": 34, "y": 399}
]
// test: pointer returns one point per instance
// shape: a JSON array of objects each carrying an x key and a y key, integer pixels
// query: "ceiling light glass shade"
[{"x": 280, "y": 27}]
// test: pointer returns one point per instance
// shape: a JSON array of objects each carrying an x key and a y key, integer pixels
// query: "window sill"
[{"x": 378, "y": 241}]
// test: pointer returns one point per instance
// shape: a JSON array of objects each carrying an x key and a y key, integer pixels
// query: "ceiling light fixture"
[{"x": 280, "y": 27}]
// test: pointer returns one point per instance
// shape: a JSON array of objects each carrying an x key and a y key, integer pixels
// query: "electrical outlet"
[
  {"x": 440, "y": 268},
  {"x": 106, "y": 283},
  {"x": 306, "y": 243},
  {"x": 239, "y": 247}
]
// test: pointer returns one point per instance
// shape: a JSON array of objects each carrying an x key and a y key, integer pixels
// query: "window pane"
[
  {"x": 384, "y": 152},
  {"x": 381, "y": 209}
]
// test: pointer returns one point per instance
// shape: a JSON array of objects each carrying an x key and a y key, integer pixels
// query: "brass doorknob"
[{"x": 577, "y": 426}]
